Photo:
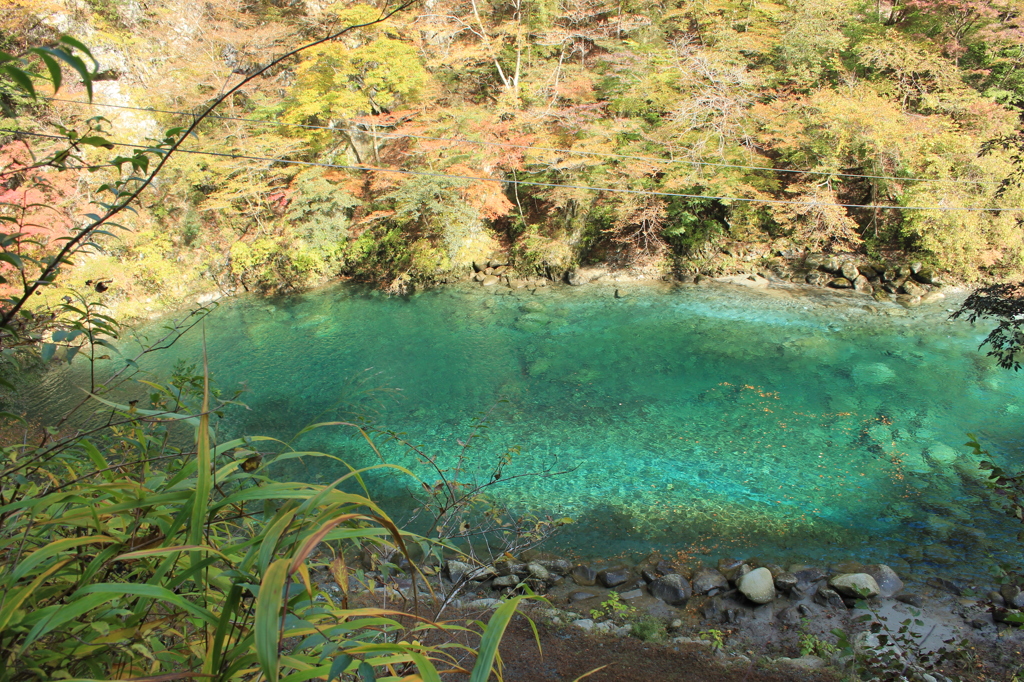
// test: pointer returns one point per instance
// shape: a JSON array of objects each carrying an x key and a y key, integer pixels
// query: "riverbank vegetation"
[{"x": 542, "y": 134}]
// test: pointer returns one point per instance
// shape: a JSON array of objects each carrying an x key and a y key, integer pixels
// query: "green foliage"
[
  {"x": 812, "y": 645},
  {"x": 319, "y": 211},
  {"x": 648, "y": 629},
  {"x": 1008, "y": 486},
  {"x": 126, "y": 561},
  {"x": 434, "y": 208},
  {"x": 612, "y": 607},
  {"x": 715, "y": 636},
  {"x": 884, "y": 653},
  {"x": 338, "y": 81}
]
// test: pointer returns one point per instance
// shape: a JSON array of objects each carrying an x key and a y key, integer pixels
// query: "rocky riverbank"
[
  {"x": 742, "y": 612},
  {"x": 908, "y": 284}
]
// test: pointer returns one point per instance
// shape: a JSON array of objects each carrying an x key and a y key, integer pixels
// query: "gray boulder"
[
  {"x": 758, "y": 586},
  {"x": 611, "y": 577},
  {"x": 786, "y": 582},
  {"x": 912, "y": 288},
  {"x": 707, "y": 579},
  {"x": 557, "y": 566},
  {"x": 829, "y": 598},
  {"x": 506, "y": 581},
  {"x": 1012, "y": 595},
  {"x": 672, "y": 589},
  {"x": 854, "y": 585},
  {"x": 888, "y": 582},
  {"x": 538, "y": 572}
]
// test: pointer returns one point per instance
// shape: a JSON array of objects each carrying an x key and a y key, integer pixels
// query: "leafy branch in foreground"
[{"x": 1005, "y": 304}]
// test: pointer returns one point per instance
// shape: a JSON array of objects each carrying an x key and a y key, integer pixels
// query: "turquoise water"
[{"x": 708, "y": 421}]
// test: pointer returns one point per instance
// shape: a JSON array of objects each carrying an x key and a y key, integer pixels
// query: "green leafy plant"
[
  {"x": 715, "y": 636},
  {"x": 885, "y": 653},
  {"x": 612, "y": 607},
  {"x": 810, "y": 645},
  {"x": 648, "y": 628}
]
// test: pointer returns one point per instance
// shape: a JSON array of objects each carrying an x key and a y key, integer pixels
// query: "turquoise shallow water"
[{"x": 711, "y": 421}]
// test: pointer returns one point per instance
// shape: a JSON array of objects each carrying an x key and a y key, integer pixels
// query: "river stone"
[
  {"x": 785, "y": 582},
  {"x": 849, "y": 270},
  {"x": 557, "y": 566},
  {"x": 573, "y": 278},
  {"x": 927, "y": 276},
  {"x": 872, "y": 374},
  {"x": 672, "y": 589},
  {"x": 584, "y": 623},
  {"x": 506, "y": 581},
  {"x": 831, "y": 264},
  {"x": 730, "y": 567},
  {"x": 816, "y": 279},
  {"x": 538, "y": 572},
  {"x": 888, "y": 582},
  {"x": 584, "y": 576},
  {"x": 841, "y": 283},
  {"x": 758, "y": 586},
  {"x": 490, "y": 280},
  {"x": 854, "y": 585},
  {"x": 581, "y": 596},
  {"x": 912, "y": 288},
  {"x": 457, "y": 570},
  {"x": 612, "y": 577},
  {"x": 807, "y": 574},
  {"x": 707, "y": 579},
  {"x": 1012, "y": 595},
  {"x": 829, "y": 598},
  {"x": 803, "y": 663},
  {"x": 631, "y": 594},
  {"x": 916, "y": 267},
  {"x": 942, "y": 453}
]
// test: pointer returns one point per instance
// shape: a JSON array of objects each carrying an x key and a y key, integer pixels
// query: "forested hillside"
[{"x": 545, "y": 133}]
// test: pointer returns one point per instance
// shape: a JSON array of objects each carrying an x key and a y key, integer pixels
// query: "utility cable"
[
  {"x": 509, "y": 145},
  {"x": 533, "y": 183}
]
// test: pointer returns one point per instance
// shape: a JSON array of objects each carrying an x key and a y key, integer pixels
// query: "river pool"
[{"x": 790, "y": 424}]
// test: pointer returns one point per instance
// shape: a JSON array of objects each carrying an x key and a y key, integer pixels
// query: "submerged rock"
[
  {"x": 584, "y": 576},
  {"x": 873, "y": 374},
  {"x": 942, "y": 453}
]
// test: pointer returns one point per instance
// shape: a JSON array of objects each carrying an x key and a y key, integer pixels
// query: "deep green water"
[{"x": 714, "y": 421}]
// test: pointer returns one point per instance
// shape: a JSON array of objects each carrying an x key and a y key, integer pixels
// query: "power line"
[
  {"x": 532, "y": 183},
  {"x": 508, "y": 145}
]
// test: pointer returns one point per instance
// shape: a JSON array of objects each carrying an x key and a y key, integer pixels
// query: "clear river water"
[{"x": 786, "y": 424}]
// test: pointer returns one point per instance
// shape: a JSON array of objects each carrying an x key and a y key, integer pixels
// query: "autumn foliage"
[{"x": 555, "y": 132}]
